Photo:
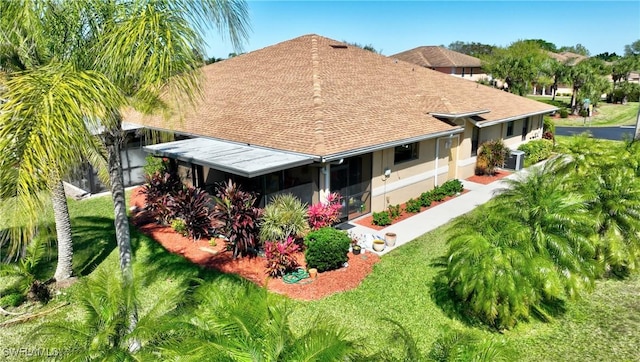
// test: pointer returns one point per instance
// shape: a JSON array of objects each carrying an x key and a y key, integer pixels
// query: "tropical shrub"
[
  {"x": 325, "y": 213},
  {"x": 413, "y": 205},
  {"x": 238, "y": 216},
  {"x": 157, "y": 190},
  {"x": 280, "y": 256},
  {"x": 253, "y": 325},
  {"x": 381, "y": 218},
  {"x": 564, "y": 113},
  {"x": 548, "y": 125},
  {"x": 481, "y": 166},
  {"x": 283, "y": 217},
  {"x": 532, "y": 250},
  {"x": 438, "y": 193},
  {"x": 454, "y": 345},
  {"x": 452, "y": 187},
  {"x": 426, "y": 198},
  {"x": 536, "y": 151},
  {"x": 12, "y": 300},
  {"x": 327, "y": 248},
  {"x": 616, "y": 205},
  {"x": 22, "y": 273},
  {"x": 394, "y": 211},
  {"x": 154, "y": 165},
  {"x": 104, "y": 328},
  {"x": 191, "y": 205},
  {"x": 179, "y": 226},
  {"x": 494, "y": 153}
]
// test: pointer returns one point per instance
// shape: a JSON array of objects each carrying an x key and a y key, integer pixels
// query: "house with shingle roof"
[
  {"x": 445, "y": 61},
  {"x": 313, "y": 115}
]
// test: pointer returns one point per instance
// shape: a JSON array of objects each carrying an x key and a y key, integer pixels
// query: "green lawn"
[
  {"x": 605, "y": 115},
  {"x": 602, "y": 326}
]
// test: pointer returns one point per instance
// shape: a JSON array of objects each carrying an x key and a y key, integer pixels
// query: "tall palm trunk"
[
  {"x": 113, "y": 140},
  {"x": 63, "y": 231}
]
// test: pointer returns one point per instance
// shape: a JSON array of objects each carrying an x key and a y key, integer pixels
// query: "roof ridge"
[
  {"x": 445, "y": 52},
  {"x": 318, "y": 115}
]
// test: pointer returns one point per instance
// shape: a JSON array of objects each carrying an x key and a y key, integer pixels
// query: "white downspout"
[
  {"x": 435, "y": 178},
  {"x": 326, "y": 170}
]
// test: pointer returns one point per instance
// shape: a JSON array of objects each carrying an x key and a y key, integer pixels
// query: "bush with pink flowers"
[{"x": 325, "y": 213}]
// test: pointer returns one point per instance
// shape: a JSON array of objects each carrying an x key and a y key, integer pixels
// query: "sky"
[{"x": 395, "y": 26}]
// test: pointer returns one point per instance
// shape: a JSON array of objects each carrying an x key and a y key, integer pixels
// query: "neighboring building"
[
  {"x": 313, "y": 115},
  {"x": 568, "y": 58},
  {"x": 445, "y": 61}
]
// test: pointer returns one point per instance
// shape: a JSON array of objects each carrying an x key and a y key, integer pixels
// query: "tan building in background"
[{"x": 445, "y": 61}]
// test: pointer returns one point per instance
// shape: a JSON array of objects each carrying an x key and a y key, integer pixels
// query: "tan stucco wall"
[
  {"x": 466, "y": 162},
  {"x": 408, "y": 179}
]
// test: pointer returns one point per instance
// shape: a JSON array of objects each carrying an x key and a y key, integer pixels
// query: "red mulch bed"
[
  {"x": 485, "y": 179},
  {"x": 368, "y": 220},
  {"x": 253, "y": 269}
]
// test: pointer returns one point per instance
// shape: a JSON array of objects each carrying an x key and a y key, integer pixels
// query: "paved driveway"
[{"x": 607, "y": 133}]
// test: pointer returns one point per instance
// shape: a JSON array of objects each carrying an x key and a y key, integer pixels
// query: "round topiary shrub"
[{"x": 327, "y": 249}]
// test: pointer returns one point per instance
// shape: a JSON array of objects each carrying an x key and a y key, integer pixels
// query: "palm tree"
[
  {"x": 45, "y": 108},
  {"x": 255, "y": 326},
  {"x": 142, "y": 48},
  {"x": 616, "y": 206},
  {"x": 104, "y": 332},
  {"x": 146, "y": 48},
  {"x": 557, "y": 217}
]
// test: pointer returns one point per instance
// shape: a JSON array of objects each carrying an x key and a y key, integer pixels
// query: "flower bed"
[
  {"x": 368, "y": 220},
  {"x": 254, "y": 269}
]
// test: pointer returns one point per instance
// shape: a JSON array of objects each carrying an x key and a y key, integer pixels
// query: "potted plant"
[
  {"x": 378, "y": 245},
  {"x": 356, "y": 249},
  {"x": 390, "y": 239}
]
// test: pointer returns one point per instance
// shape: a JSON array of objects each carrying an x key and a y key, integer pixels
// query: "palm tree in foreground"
[
  {"x": 43, "y": 133},
  {"x": 142, "y": 48},
  {"x": 254, "y": 326}
]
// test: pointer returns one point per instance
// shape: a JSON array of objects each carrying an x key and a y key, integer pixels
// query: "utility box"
[{"x": 515, "y": 160}]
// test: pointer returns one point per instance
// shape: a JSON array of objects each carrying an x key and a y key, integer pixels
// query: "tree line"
[{"x": 526, "y": 63}]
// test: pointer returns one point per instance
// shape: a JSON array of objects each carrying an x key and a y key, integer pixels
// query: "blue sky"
[{"x": 395, "y": 26}]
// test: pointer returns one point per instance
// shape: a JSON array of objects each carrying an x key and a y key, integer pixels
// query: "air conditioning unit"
[{"x": 515, "y": 160}]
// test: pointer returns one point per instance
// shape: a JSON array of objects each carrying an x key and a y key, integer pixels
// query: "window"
[
  {"x": 510, "y": 128},
  {"x": 471, "y": 72},
  {"x": 474, "y": 141},
  {"x": 462, "y": 72},
  {"x": 405, "y": 153}
]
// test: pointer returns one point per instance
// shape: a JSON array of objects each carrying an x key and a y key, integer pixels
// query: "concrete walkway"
[{"x": 413, "y": 227}]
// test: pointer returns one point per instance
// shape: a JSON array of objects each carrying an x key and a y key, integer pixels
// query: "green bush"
[
  {"x": 438, "y": 193},
  {"x": 179, "y": 226},
  {"x": 413, "y": 205},
  {"x": 381, "y": 218},
  {"x": 548, "y": 125},
  {"x": 284, "y": 216},
  {"x": 12, "y": 300},
  {"x": 536, "y": 151},
  {"x": 426, "y": 198},
  {"x": 154, "y": 165},
  {"x": 452, "y": 187},
  {"x": 493, "y": 153},
  {"x": 327, "y": 249},
  {"x": 395, "y": 211},
  {"x": 564, "y": 113}
]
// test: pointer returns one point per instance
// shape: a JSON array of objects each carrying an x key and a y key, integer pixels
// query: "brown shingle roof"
[
  {"x": 568, "y": 57},
  {"x": 310, "y": 96},
  {"x": 435, "y": 57}
]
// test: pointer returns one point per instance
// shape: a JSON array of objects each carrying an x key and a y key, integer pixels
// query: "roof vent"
[{"x": 338, "y": 46}]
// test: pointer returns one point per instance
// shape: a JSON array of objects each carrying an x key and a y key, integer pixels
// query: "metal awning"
[{"x": 243, "y": 160}]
